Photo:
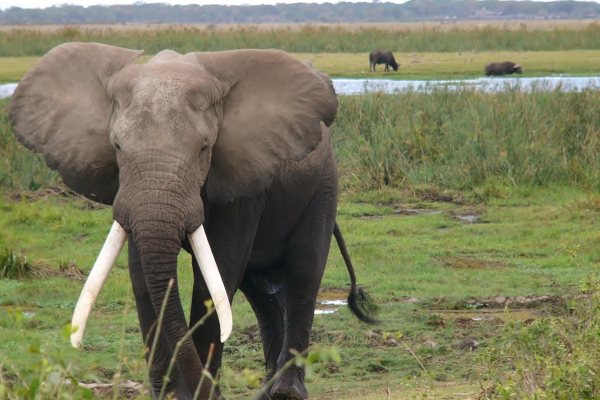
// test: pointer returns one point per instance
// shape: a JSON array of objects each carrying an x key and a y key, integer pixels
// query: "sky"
[{"x": 4, "y": 4}]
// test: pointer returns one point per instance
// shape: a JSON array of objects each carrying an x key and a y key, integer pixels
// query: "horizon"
[{"x": 43, "y": 4}]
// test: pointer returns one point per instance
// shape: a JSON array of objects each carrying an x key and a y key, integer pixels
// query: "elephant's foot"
[
  {"x": 176, "y": 386},
  {"x": 179, "y": 392},
  {"x": 290, "y": 386}
]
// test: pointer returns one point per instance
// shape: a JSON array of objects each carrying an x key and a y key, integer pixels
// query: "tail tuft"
[{"x": 363, "y": 306}]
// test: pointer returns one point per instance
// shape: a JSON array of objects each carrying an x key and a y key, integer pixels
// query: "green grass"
[
  {"x": 529, "y": 241},
  {"x": 414, "y": 65},
  {"x": 308, "y": 39},
  {"x": 457, "y": 65},
  {"x": 525, "y": 164}
]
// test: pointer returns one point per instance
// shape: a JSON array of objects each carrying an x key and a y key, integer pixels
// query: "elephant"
[
  {"x": 382, "y": 57},
  {"x": 226, "y": 155},
  {"x": 504, "y": 68}
]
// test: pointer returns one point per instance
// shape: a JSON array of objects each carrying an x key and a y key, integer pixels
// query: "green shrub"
[{"x": 555, "y": 358}]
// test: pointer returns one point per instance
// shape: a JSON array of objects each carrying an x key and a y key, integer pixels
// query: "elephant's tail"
[{"x": 359, "y": 301}]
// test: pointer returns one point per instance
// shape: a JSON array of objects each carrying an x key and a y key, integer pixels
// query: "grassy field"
[
  {"x": 413, "y": 65},
  {"x": 458, "y": 65},
  {"x": 471, "y": 219},
  {"x": 417, "y": 253},
  {"x": 453, "y": 205}
]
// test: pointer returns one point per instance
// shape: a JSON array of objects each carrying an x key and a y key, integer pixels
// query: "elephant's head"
[{"x": 150, "y": 138}]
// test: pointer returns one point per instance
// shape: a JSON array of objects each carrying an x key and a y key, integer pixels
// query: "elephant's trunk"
[{"x": 159, "y": 245}]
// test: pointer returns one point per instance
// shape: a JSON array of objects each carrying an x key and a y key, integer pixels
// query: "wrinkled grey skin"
[
  {"x": 235, "y": 140},
  {"x": 503, "y": 68},
  {"x": 382, "y": 57}
]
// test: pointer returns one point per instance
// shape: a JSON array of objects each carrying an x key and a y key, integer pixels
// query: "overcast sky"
[{"x": 49, "y": 3}]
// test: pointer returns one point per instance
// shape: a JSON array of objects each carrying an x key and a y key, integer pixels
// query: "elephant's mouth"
[{"x": 108, "y": 256}]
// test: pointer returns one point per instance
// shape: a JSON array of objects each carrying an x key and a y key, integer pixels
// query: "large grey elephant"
[{"x": 228, "y": 151}]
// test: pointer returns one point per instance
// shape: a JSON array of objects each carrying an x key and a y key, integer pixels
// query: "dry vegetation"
[{"x": 410, "y": 26}]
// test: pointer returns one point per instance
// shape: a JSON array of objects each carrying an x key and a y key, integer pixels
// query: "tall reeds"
[
  {"x": 464, "y": 138},
  {"x": 450, "y": 138},
  {"x": 309, "y": 39}
]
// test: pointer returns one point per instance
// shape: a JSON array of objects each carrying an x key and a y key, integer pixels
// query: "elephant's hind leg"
[{"x": 304, "y": 263}]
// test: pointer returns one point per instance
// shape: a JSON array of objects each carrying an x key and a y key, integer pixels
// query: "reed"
[
  {"x": 448, "y": 138},
  {"x": 308, "y": 39},
  {"x": 20, "y": 169},
  {"x": 464, "y": 138}
]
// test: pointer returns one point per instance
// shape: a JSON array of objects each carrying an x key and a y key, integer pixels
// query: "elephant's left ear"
[
  {"x": 272, "y": 113},
  {"x": 61, "y": 109}
]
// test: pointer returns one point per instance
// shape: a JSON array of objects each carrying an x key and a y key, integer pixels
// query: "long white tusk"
[
  {"x": 106, "y": 259},
  {"x": 214, "y": 282}
]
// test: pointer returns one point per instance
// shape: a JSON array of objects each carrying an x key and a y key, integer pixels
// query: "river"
[{"x": 359, "y": 86}]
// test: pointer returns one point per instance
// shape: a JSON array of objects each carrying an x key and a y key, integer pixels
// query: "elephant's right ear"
[{"x": 61, "y": 109}]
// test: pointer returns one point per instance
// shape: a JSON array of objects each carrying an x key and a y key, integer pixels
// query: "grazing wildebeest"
[
  {"x": 382, "y": 57},
  {"x": 504, "y": 68}
]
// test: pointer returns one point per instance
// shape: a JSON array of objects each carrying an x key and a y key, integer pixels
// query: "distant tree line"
[{"x": 376, "y": 11}]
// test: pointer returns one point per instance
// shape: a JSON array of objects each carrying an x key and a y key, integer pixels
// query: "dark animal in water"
[
  {"x": 504, "y": 68},
  {"x": 382, "y": 57}
]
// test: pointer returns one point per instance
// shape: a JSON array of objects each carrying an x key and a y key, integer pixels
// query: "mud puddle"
[
  {"x": 469, "y": 218},
  {"x": 489, "y": 314},
  {"x": 27, "y": 311},
  {"x": 329, "y": 302},
  {"x": 403, "y": 212}
]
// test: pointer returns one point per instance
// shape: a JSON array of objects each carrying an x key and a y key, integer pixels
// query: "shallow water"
[
  {"x": 7, "y": 89},
  {"x": 358, "y": 86},
  {"x": 329, "y": 302},
  {"x": 565, "y": 83}
]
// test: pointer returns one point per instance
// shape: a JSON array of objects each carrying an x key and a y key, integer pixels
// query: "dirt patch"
[
  {"x": 399, "y": 212},
  {"x": 250, "y": 335},
  {"x": 332, "y": 294},
  {"x": 519, "y": 302},
  {"x": 16, "y": 266},
  {"x": 55, "y": 191},
  {"x": 472, "y": 263},
  {"x": 415, "y": 211},
  {"x": 431, "y": 194},
  {"x": 467, "y": 319},
  {"x": 52, "y": 191},
  {"x": 127, "y": 389},
  {"x": 498, "y": 301}
]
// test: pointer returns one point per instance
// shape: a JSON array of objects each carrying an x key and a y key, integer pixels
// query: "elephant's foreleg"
[
  {"x": 269, "y": 313},
  {"x": 209, "y": 333},
  {"x": 147, "y": 317}
]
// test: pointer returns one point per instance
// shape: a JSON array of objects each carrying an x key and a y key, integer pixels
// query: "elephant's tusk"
[
  {"x": 213, "y": 279},
  {"x": 106, "y": 259}
]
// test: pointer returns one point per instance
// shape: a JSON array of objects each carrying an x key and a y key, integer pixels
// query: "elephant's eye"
[
  {"x": 117, "y": 146},
  {"x": 204, "y": 148}
]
